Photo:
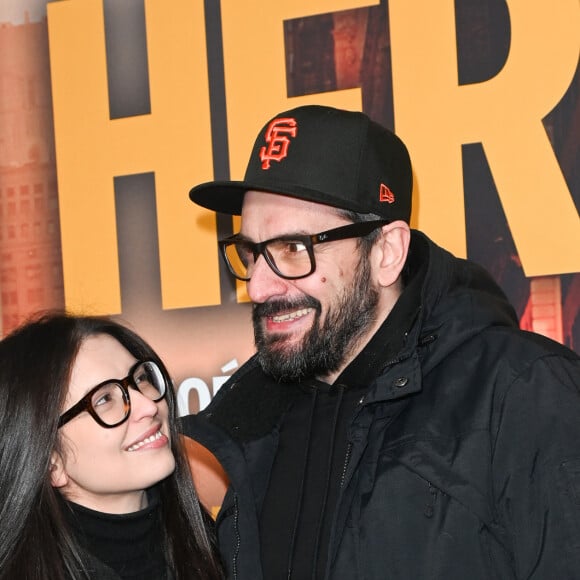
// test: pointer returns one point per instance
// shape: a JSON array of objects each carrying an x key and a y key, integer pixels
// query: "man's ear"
[
  {"x": 58, "y": 474},
  {"x": 394, "y": 248}
]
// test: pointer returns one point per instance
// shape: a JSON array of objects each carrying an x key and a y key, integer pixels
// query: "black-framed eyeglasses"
[
  {"x": 109, "y": 403},
  {"x": 290, "y": 257}
]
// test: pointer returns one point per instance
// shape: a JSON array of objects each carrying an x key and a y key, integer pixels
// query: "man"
[{"x": 394, "y": 422}]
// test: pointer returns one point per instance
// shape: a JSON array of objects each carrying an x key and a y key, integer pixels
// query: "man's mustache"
[{"x": 273, "y": 307}]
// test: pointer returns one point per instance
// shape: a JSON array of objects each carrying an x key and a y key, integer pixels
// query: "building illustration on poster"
[
  {"x": 324, "y": 53},
  {"x": 30, "y": 267}
]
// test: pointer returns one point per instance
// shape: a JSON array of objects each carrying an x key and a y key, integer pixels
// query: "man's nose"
[{"x": 264, "y": 283}]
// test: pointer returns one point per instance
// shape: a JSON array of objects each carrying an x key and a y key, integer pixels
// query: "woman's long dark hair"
[{"x": 35, "y": 543}]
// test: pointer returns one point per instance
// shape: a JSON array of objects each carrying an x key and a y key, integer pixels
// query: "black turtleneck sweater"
[{"x": 130, "y": 545}]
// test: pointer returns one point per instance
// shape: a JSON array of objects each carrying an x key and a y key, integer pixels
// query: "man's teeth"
[
  {"x": 291, "y": 315},
  {"x": 145, "y": 441}
]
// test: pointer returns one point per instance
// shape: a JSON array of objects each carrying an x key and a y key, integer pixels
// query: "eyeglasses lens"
[
  {"x": 149, "y": 379},
  {"x": 291, "y": 257},
  {"x": 288, "y": 258},
  {"x": 238, "y": 256},
  {"x": 109, "y": 401}
]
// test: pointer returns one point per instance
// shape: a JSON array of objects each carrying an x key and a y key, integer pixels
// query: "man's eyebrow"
[{"x": 239, "y": 237}]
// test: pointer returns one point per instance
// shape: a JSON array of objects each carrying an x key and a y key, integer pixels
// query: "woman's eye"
[
  {"x": 102, "y": 399},
  {"x": 141, "y": 378}
]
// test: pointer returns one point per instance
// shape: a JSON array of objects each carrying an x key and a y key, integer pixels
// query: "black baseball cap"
[{"x": 325, "y": 155}]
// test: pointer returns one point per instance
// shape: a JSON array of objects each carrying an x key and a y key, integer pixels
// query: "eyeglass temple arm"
[{"x": 348, "y": 231}]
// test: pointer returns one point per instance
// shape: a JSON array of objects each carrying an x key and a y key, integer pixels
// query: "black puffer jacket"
[{"x": 464, "y": 457}]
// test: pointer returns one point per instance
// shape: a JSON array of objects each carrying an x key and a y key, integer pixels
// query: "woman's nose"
[{"x": 142, "y": 406}]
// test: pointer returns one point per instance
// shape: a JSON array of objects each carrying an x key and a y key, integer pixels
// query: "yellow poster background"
[{"x": 95, "y": 215}]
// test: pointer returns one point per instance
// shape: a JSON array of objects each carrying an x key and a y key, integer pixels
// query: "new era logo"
[{"x": 385, "y": 194}]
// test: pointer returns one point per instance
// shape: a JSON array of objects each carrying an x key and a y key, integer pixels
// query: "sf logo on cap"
[{"x": 277, "y": 137}]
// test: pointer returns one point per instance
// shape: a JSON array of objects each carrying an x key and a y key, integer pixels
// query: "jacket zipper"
[
  {"x": 349, "y": 447},
  {"x": 430, "y": 505},
  {"x": 238, "y": 539},
  {"x": 346, "y": 462}
]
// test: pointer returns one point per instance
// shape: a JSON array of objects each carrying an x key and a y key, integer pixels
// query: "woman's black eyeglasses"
[{"x": 109, "y": 403}]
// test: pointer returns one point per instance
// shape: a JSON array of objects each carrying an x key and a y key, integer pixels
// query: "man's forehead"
[
  {"x": 266, "y": 215},
  {"x": 265, "y": 200}
]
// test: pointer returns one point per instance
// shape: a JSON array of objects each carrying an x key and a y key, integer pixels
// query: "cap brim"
[
  {"x": 223, "y": 196},
  {"x": 227, "y": 196}
]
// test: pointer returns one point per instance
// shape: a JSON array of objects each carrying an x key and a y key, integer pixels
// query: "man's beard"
[{"x": 326, "y": 346}]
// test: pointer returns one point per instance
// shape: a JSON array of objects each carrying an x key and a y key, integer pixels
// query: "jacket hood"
[{"x": 459, "y": 298}]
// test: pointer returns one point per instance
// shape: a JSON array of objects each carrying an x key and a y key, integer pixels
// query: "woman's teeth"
[
  {"x": 291, "y": 315},
  {"x": 145, "y": 441}
]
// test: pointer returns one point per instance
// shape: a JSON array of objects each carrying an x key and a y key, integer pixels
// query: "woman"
[{"x": 94, "y": 483}]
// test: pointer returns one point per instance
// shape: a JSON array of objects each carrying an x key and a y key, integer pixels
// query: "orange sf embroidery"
[{"x": 277, "y": 137}]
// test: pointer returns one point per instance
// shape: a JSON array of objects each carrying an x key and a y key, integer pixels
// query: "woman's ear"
[
  {"x": 394, "y": 247},
  {"x": 58, "y": 474}
]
